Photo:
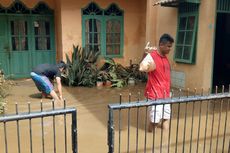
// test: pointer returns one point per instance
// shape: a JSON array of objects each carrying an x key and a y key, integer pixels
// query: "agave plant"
[{"x": 82, "y": 70}]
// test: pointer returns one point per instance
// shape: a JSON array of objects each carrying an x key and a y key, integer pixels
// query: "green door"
[
  {"x": 19, "y": 51},
  {"x": 25, "y": 41},
  {"x": 4, "y": 45},
  {"x": 26, "y": 38},
  {"x": 43, "y": 45}
]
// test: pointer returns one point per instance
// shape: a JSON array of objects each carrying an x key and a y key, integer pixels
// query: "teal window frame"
[
  {"x": 182, "y": 53},
  {"x": 91, "y": 34},
  {"x": 19, "y": 37},
  {"x": 113, "y": 33},
  {"x": 103, "y": 18}
]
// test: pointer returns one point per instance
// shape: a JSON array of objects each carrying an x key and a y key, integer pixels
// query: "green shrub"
[
  {"x": 119, "y": 74},
  {"x": 81, "y": 70}
]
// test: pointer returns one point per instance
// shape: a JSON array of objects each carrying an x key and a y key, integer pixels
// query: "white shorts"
[{"x": 159, "y": 113}]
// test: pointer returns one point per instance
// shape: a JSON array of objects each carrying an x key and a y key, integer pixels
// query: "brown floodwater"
[
  {"x": 92, "y": 118},
  {"x": 92, "y": 114}
]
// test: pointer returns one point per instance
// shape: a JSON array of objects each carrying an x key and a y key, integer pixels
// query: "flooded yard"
[
  {"x": 92, "y": 119},
  {"x": 92, "y": 116}
]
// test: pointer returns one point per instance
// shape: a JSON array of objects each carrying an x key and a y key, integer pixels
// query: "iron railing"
[
  {"x": 43, "y": 133},
  {"x": 198, "y": 123}
]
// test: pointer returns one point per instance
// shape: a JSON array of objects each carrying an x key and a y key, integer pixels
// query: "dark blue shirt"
[{"x": 49, "y": 70}]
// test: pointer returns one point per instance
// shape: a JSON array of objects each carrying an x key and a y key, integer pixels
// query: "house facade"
[
  {"x": 201, "y": 58},
  {"x": 35, "y": 31}
]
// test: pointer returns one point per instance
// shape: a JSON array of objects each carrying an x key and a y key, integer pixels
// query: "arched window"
[
  {"x": 42, "y": 8},
  {"x": 18, "y": 8},
  {"x": 103, "y": 29}
]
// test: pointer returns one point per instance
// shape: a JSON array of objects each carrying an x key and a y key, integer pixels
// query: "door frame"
[{"x": 220, "y": 8}]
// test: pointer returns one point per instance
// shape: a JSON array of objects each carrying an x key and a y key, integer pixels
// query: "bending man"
[{"x": 43, "y": 76}]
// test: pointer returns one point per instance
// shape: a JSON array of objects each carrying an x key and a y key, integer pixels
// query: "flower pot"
[
  {"x": 131, "y": 81},
  {"x": 99, "y": 83},
  {"x": 108, "y": 83}
]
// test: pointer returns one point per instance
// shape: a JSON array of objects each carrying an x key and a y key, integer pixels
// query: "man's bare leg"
[
  {"x": 152, "y": 126},
  {"x": 165, "y": 124}
]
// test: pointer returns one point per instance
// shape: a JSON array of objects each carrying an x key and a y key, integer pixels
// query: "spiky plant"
[{"x": 82, "y": 70}]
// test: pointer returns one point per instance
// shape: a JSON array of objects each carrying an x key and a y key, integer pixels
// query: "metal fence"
[
  {"x": 52, "y": 130},
  {"x": 198, "y": 123}
]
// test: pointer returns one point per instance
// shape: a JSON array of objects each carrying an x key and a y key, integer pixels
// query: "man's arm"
[{"x": 59, "y": 86}]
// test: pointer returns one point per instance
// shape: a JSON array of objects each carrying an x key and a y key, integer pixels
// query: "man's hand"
[
  {"x": 59, "y": 86},
  {"x": 149, "y": 48},
  {"x": 61, "y": 97}
]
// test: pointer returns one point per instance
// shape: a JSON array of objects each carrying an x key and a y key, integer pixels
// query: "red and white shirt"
[{"x": 158, "y": 68}]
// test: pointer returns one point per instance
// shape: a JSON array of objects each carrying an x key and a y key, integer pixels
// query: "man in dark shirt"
[{"x": 43, "y": 76}]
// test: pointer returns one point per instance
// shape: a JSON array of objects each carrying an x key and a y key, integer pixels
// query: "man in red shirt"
[{"x": 156, "y": 64}]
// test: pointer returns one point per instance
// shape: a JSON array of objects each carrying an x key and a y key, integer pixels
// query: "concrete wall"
[{"x": 134, "y": 26}]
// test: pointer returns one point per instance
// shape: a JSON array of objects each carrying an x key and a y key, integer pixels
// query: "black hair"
[
  {"x": 166, "y": 38},
  {"x": 61, "y": 64}
]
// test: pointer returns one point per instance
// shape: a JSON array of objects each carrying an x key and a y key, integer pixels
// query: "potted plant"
[
  {"x": 99, "y": 81},
  {"x": 104, "y": 77}
]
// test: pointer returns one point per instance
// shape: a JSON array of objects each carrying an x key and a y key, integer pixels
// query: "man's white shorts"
[{"x": 159, "y": 112}]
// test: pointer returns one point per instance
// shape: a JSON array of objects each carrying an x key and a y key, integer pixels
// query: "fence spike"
[
  {"x": 53, "y": 104},
  {"x": 216, "y": 90},
  {"x": 29, "y": 107},
  {"x": 179, "y": 93},
  {"x": 195, "y": 91},
  {"x": 41, "y": 106},
  {"x": 222, "y": 88},
  {"x": 209, "y": 91},
  {"x": 16, "y": 107},
  {"x": 187, "y": 92},
  {"x": 64, "y": 103},
  {"x": 130, "y": 97},
  {"x": 4, "y": 111},
  {"x": 120, "y": 98},
  {"x": 139, "y": 95},
  {"x": 172, "y": 93},
  {"x": 147, "y": 96}
]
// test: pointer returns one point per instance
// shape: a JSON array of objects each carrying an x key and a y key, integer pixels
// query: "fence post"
[
  {"x": 111, "y": 131},
  {"x": 74, "y": 132}
]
